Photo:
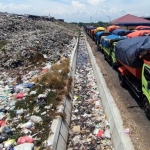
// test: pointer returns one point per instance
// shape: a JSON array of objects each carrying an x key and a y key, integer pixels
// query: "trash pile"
[
  {"x": 89, "y": 128},
  {"x": 30, "y": 39},
  {"x": 28, "y": 108},
  {"x": 34, "y": 64}
]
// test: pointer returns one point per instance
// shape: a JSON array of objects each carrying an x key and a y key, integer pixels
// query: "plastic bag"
[
  {"x": 9, "y": 143},
  {"x": 25, "y": 146},
  {"x": 20, "y": 95},
  {"x": 35, "y": 119},
  {"x": 25, "y": 139}
]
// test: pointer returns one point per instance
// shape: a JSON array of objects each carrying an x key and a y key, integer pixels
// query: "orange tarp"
[
  {"x": 138, "y": 33},
  {"x": 113, "y": 27},
  {"x": 140, "y": 27}
]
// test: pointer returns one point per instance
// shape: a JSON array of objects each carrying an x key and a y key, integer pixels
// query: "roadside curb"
[
  {"x": 121, "y": 141},
  {"x": 60, "y": 127}
]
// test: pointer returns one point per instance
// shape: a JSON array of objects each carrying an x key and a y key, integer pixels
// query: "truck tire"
[
  {"x": 112, "y": 64},
  {"x": 102, "y": 51},
  {"x": 146, "y": 107},
  {"x": 122, "y": 80},
  {"x": 105, "y": 57}
]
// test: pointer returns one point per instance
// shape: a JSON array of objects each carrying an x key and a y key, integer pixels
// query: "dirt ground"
[{"x": 130, "y": 107}]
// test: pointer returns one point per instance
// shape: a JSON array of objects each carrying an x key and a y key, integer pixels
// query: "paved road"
[{"x": 130, "y": 107}]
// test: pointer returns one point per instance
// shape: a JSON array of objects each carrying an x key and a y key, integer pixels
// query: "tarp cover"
[
  {"x": 107, "y": 40},
  {"x": 142, "y": 27},
  {"x": 102, "y": 33},
  {"x": 97, "y": 34},
  {"x": 113, "y": 27},
  {"x": 129, "y": 50},
  {"x": 99, "y": 29},
  {"x": 138, "y": 33},
  {"x": 121, "y": 32}
]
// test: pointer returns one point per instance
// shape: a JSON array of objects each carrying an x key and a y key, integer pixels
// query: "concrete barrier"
[
  {"x": 60, "y": 127},
  {"x": 121, "y": 141}
]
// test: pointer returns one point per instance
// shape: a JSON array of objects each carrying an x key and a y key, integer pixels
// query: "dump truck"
[
  {"x": 133, "y": 57},
  {"x": 88, "y": 30},
  {"x": 98, "y": 36},
  {"x": 108, "y": 47},
  {"x": 98, "y": 29}
]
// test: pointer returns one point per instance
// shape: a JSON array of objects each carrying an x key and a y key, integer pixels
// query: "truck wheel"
[
  {"x": 112, "y": 64},
  {"x": 121, "y": 79},
  {"x": 146, "y": 106}
]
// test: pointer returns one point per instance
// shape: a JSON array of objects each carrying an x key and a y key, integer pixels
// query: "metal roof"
[{"x": 130, "y": 19}]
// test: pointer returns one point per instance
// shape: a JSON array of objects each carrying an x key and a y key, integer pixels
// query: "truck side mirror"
[{"x": 148, "y": 85}]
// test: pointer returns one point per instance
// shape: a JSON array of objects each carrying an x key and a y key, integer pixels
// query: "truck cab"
[{"x": 146, "y": 86}]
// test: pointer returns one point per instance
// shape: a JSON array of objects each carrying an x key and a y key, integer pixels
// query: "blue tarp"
[
  {"x": 129, "y": 50},
  {"x": 111, "y": 38},
  {"x": 101, "y": 33},
  {"x": 122, "y": 32},
  {"x": 98, "y": 33}
]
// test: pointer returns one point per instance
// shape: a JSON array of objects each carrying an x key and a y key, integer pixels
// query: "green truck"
[{"x": 108, "y": 48}]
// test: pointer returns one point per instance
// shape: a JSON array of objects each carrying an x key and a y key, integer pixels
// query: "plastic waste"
[
  {"x": 9, "y": 142},
  {"x": 41, "y": 99},
  {"x": 18, "y": 88},
  {"x": 25, "y": 139},
  {"x": 107, "y": 133},
  {"x": 3, "y": 123},
  {"x": 24, "y": 146},
  {"x": 127, "y": 131},
  {"x": 2, "y": 115},
  {"x": 35, "y": 119},
  {"x": 26, "y": 131},
  {"x": 100, "y": 133},
  {"x": 29, "y": 85},
  {"x": 3, "y": 137},
  {"x": 26, "y": 125},
  {"x": 32, "y": 92},
  {"x": 6, "y": 130},
  {"x": 19, "y": 112},
  {"x": 20, "y": 95}
]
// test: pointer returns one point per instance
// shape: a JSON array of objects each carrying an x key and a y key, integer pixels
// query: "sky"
[{"x": 78, "y": 10}]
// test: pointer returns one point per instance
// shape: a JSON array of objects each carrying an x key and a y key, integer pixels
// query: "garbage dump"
[
  {"x": 89, "y": 128},
  {"x": 34, "y": 67}
]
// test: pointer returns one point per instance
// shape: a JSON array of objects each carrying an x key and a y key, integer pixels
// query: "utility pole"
[
  {"x": 109, "y": 18},
  {"x": 90, "y": 19}
]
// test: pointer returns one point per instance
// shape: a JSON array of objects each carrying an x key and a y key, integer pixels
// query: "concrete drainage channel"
[{"x": 86, "y": 126}]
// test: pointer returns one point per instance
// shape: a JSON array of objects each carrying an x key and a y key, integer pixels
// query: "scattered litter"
[{"x": 89, "y": 128}]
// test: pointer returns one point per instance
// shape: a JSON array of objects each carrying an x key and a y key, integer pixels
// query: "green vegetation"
[
  {"x": 98, "y": 24},
  {"x": 3, "y": 43}
]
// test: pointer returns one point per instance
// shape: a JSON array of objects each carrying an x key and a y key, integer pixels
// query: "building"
[{"x": 129, "y": 22}]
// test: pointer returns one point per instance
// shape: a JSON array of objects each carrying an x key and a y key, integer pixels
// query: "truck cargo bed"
[{"x": 135, "y": 71}]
